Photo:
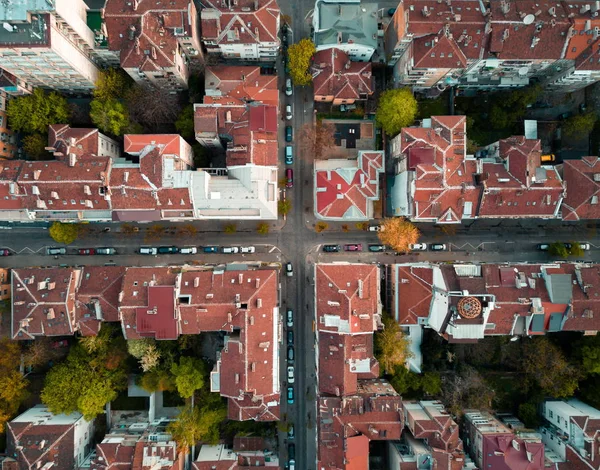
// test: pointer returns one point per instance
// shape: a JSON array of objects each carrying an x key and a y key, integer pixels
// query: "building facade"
[{"x": 8, "y": 140}]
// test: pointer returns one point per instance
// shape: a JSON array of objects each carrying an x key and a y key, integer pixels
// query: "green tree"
[
  {"x": 13, "y": 388},
  {"x": 499, "y": 118},
  {"x": 194, "y": 425},
  {"x": 64, "y": 233},
  {"x": 558, "y": 249},
  {"x": 545, "y": 366},
  {"x": 138, "y": 347},
  {"x": 588, "y": 353},
  {"x": 94, "y": 398},
  {"x": 392, "y": 347},
  {"x": 579, "y": 125},
  {"x": 284, "y": 206},
  {"x": 528, "y": 413},
  {"x": 189, "y": 375},
  {"x": 35, "y": 146},
  {"x": 431, "y": 383},
  {"x": 185, "y": 122},
  {"x": 300, "y": 55},
  {"x": 111, "y": 84},
  {"x": 576, "y": 250},
  {"x": 263, "y": 228},
  {"x": 157, "y": 379},
  {"x": 230, "y": 228},
  {"x": 35, "y": 112},
  {"x": 110, "y": 116},
  {"x": 404, "y": 380},
  {"x": 397, "y": 109}
]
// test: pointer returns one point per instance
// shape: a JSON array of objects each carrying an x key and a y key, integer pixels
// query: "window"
[
  {"x": 551, "y": 414},
  {"x": 574, "y": 49}
]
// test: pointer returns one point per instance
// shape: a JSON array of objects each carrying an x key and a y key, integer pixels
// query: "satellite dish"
[
  {"x": 529, "y": 19},
  {"x": 523, "y": 71}
]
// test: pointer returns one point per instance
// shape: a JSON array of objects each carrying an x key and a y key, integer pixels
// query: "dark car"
[
  {"x": 168, "y": 250},
  {"x": 289, "y": 178},
  {"x": 4, "y": 252},
  {"x": 210, "y": 249},
  {"x": 290, "y": 353},
  {"x": 290, "y": 337},
  {"x": 106, "y": 251},
  {"x": 290, "y": 395},
  {"x": 353, "y": 247},
  {"x": 376, "y": 248},
  {"x": 291, "y": 451},
  {"x": 289, "y": 133},
  {"x": 86, "y": 251},
  {"x": 331, "y": 248},
  {"x": 542, "y": 246},
  {"x": 438, "y": 247}
]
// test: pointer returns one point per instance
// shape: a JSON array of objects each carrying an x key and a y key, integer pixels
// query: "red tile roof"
[
  {"x": 147, "y": 32},
  {"x": 66, "y": 139},
  {"x": 245, "y": 83},
  {"x": 334, "y": 75},
  {"x": 245, "y": 22},
  {"x": 348, "y": 193},
  {"x": 505, "y": 452},
  {"x": 583, "y": 189}
]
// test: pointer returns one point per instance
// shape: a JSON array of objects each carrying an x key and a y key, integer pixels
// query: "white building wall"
[
  {"x": 108, "y": 147},
  {"x": 83, "y": 432}
]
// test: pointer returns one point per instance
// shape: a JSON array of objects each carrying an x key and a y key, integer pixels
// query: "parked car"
[
  {"x": 288, "y": 86},
  {"x": 248, "y": 249},
  {"x": 290, "y": 318},
  {"x": 376, "y": 248},
  {"x": 331, "y": 248},
  {"x": 63, "y": 343},
  {"x": 106, "y": 251},
  {"x": 4, "y": 252},
  {"x": 147, "y": 250},
  {"x": 168, "y": 250},
  {"x": 210, "y": 249},
  {"x": 290, "y": 353},
  {"x": 417, "y": 246},
  {"x": 353, "y": 247},
  {"x": 438, "y": 247},
  {"x": 188, "y": 250},
  {"x": 289, "y": 155},
  {"x": 290, "y": 374},
  {"x": 585, "y": 246},
  {"x": 289, "y": 133},
  {"x": 290, "y": 395},
  {"x": 230, "y": 250},
  {"x": 289, "y": 178},
  {"x": 291, "y": 431},
  {"x": 56, "y": 251},
  {"x": 290, "y": 337},
  {"x": 548, "y": 158},
  {"x": 291, "y": 451},
  {"x": 288, "y": 112},
  {"x": 568, "y": 246},
  {"x": 86, "y": 251},
  {"x": 543, "y": 246},
  {"x": 376, "y": 228}
]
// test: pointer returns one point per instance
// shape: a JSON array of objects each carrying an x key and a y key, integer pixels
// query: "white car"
[
  {"x": 418, "y": 246},
  {"x": 290, "y": 374},
  {"x": 248, "y": 249},
  {"x": 584, "y": 246},
  {"x": 290, "y": 318},
  {"x": 288, "y": 87},
  {"x": 230, "y": 249},
  {"x": 288, "y": 112},
  {"x": 189, "y": 250},
  {"x": 376, "y": 228}
]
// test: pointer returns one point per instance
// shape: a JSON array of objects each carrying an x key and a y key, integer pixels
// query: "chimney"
[
  {"x": 72, "y": 159},
  {"x": 54, "y": 195},
  {"x": 131, "y": 32},
  {"x": 87, "y": 190},
  {"x": 154, "y": 52},
  {"x": 135, "y": 4},
  {"x": 534, "y": 41},
  {"x": 36, "y": 174},
  {"x": 257, "y": 34}
]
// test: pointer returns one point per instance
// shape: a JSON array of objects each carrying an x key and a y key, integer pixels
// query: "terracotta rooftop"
[
  {"x": 334, "y": 75},
  {"x": 582, "y": 179},
  {"x": 245, "y": 83},
  {"x": 344, "y": 192}
]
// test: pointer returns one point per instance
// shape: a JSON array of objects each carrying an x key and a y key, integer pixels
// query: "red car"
[
  {"x": 289, "y": 178},
  {"x": 4, "y": 252},
  {"x": 86, "y": 251},
  {"x": 353, "y": 247}
]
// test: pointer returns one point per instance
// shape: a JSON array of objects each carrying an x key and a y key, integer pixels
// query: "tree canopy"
[
  {"x": 397, "y": 109},
  {"x": 392, "y": 347},
  {"x": 197, "y": 424},
  {"x": 88, "y": 379},
  {"x": 111, "y": 84},
  {"x": 138, "y": 347},
  {"x": 111, "y": 116},
  {"x": 399, "y": 233},
  {"x": 579, "y": 125},
  {"x": 300, "y": 55},
  {"x": 13, "y": 386},
  {"x": 35, "y": 146},
  {"x": 64, "y": 233},
  {"x": 511, "y": 106},
  {"x": 185, "y": 122},
  {"x": 188, "y": 375},
  {"x": 35, "y": 112}
]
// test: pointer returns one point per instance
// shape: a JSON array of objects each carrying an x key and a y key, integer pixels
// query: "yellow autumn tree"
[
  {"x": 399, "y": 233},
  {"x": 300, "y": 55},
  {"x": 392, "y": 347}
]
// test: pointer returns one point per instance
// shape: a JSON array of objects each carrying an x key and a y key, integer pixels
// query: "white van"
[
  {"x": 147, "y": 250},
  {"x": 188, "y": 250},
  {"x": 230, "y": 249}
]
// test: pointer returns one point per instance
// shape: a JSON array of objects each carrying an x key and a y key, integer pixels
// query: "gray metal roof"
[
  {"x": 355, "y": 21},
  {"x": 555, "y": 322},
  {"x": 537, "y": 323},
  {"x": 560, "y": 288}
]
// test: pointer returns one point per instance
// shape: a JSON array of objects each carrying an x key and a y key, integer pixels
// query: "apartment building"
[
  {"x": 350, "y": 26},
  {"x": 48, "y": 44},
  {"x": 241, "y": 29},
  {"x": 156, "y": 40},
  {"x": 247, "y": 453},
  {"x": 502, "y": 44},
  {"x": 38, "y": 439},
  {"x": 8, "y": 140},
  {"x": 437, "y": 181},
  {"x": 164, "y": 303}
]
